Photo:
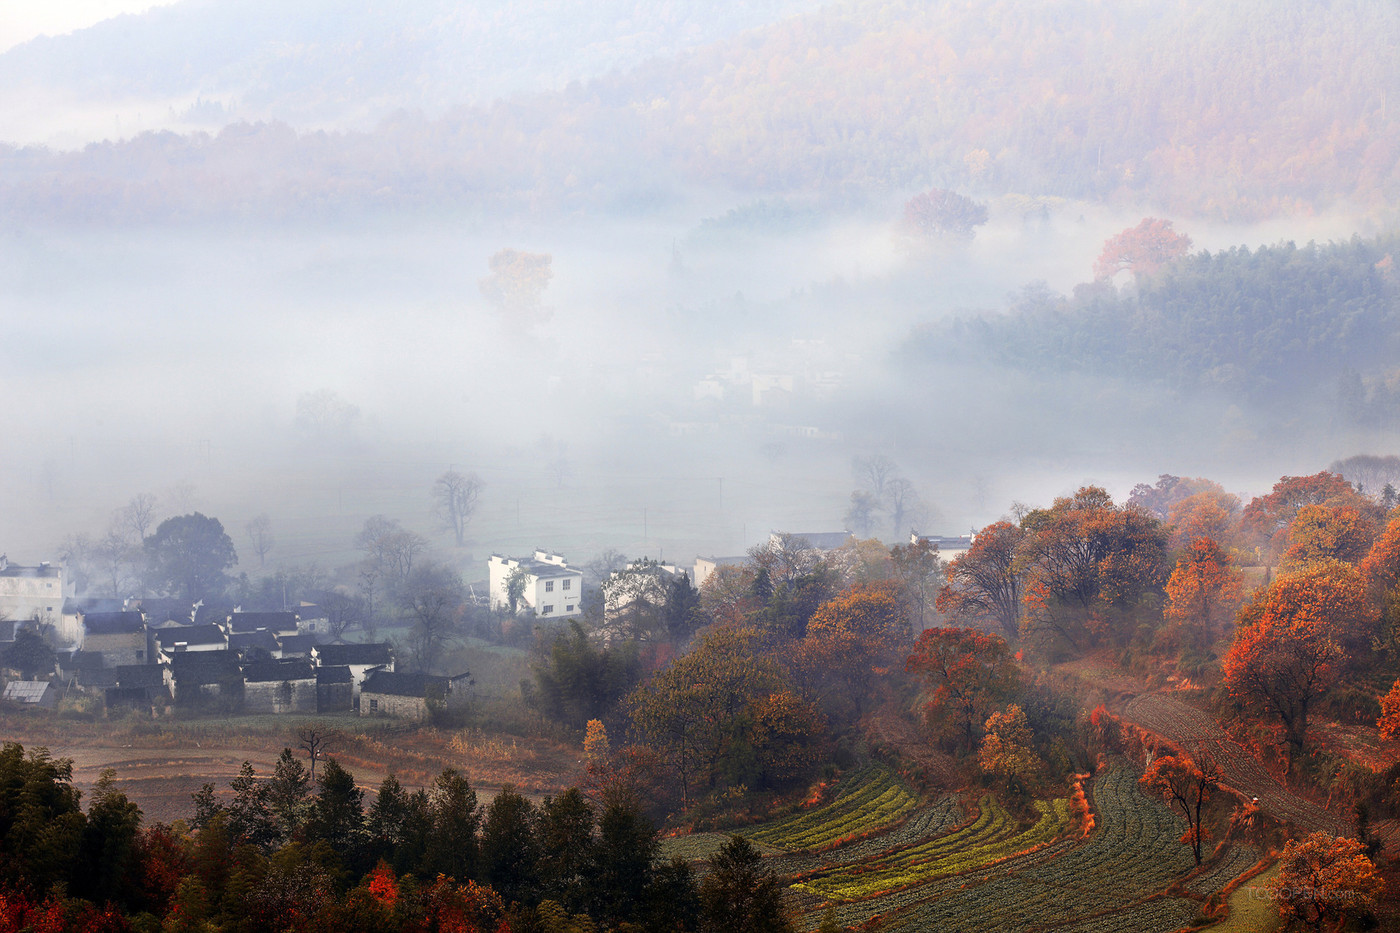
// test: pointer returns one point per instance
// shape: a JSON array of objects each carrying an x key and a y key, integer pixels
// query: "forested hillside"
[
  {"x": 1235, "y": 110},
  {"x": 1273, "y": 326}
]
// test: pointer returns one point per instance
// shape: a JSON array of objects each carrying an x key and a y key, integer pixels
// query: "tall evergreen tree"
[
  {"x": 568, "y": 856},
  {"x": 287, "y": 795},
  {"x": 626, "y": 850},
  {"x": 455, "y": 818},
  {"x": 739, "y": 895},
  {"x": 509, "y": 847}
]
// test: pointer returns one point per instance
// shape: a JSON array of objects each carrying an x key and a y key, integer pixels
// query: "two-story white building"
[
  {"x": 35, "y": 592},
  {"x": 546, "y": 586}
]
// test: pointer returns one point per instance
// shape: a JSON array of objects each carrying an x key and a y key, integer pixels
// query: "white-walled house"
[
  {"x": 29, "y": 592},
  {"x": 550, "y": 588},
  {"x": 950, "y": 547}
]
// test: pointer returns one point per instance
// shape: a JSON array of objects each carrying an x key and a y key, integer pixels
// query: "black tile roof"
[
  {"x": 389, "y": 683},
  {"x": 263, "y": 672},
  {"x": 113, "y": 623},
  {"x": 253, "y": 621},
  {"x": 373, "y": 653}
]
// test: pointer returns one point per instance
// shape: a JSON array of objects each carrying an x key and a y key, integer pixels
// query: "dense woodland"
[
  {"x": 1274, "y": 327},
  {"x": 744, "y": 700},
  {"x": 1235, "y": 111}
]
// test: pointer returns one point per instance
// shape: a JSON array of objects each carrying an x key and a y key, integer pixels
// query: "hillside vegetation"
[{"x": 1235, "y": 110}]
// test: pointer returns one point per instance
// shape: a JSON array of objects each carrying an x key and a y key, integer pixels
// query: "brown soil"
[{"x": 159, "y": 766}]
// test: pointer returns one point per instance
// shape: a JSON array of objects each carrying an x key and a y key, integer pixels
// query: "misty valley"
[{"x": 635, "y": 467}]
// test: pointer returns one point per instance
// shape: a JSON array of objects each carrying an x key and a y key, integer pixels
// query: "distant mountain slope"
[
  {"x": 1235, "y": 109},
  {"x": 324, "y": 61}
]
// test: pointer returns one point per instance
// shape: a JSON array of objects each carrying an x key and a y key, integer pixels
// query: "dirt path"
[{"x": 1198, "y": 733}]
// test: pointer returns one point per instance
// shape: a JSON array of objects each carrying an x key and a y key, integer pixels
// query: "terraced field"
[
  {"x": 990, "y": 838},
  {"x": 1132, "y": 855},
  {"x": 869, "y": 800},
  {"x": 928, "y": 868},
  {"x": 1195, "y": 731}
]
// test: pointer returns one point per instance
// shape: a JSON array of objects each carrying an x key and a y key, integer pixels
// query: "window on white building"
[
  {"x": 568, "y": 608},
  {"x": 546, "y": 610},
  {"x": 549, "y": 586},
  {"x": 566, "y": 583}
]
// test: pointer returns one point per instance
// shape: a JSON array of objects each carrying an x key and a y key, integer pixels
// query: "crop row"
[
  {"x": 1133, "y": 854},
  {"x": 924, "y": 824},
  {"x": 1195, "y": 730},
  {"x": 1158, "y": 915},
  {"x": 874, "y": 799},
  {"x": 856, "y": 913},
  {"x": 922, "y": 863},
  {"x": 1234, "y": 863}
]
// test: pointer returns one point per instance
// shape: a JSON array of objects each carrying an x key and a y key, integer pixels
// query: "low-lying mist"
[{"x": 689, "y": 382}]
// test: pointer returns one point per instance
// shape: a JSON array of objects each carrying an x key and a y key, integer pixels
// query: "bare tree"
[
  {"x": 260, "y": 533},
  {"x": 313, "y": 740},
  {"x": 874, "y": 473},
  {"x": 390, "y": 550},
  {"x": 324, "y": 415},
  {"x": 435, "y": 597},
  {"x": 138, "y": 517},
  {"x": 786, "y": 557},
  {"x": 905, "y": 506},
  {"x": 343, "y": 611},
  {"x": 117, "y": 559},
  {"x": 454, "y": 501}
]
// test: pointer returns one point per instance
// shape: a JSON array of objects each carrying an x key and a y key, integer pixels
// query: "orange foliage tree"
[
  {"x": 1178, "y": 780},
  {"x": 1389, "y": 722},
  {"x": 1007, "y": 749},
  {"x": 1330, "y": 591},
  {"x": 1203, "y": 515},
  {"x": 1203, "y": 592},
  {"x": 1381, "y": 566},
  {"x": 1324, "y": 880},
  {"x": 1169, "y": 491},
  {"x": 966, "y": 673},
  {"x": 1142, "y": 250},
  {"x": 855, "y": 638},
  {"x": 984, "y": 584},
  {"x": 1278, "y": 667},
  {"x": 1321, "y": 532},
  {"x": 1266, "y": 519},
  {"x": 1089, "y": 566}
]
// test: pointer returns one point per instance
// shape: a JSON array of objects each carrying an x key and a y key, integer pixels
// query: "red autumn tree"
[
  {"x": 1336, "y": 532},
  {"x": 1325, "y": 880},
  {"x": 1278, "y": 667},
  {"x": 1328, "y": 590},
  {"x": 1142, "y": 250},
  {"x": 984, "y": 584},
  {"x": 1266, "y": 519},
  {"x": 1381, "y": 566},
  {"x": 1203, "y": 593},
  {"x": 1389, "y": 723},
  {"x": 967, "y": 674},
  {"x": 1179, "y": 781}
]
